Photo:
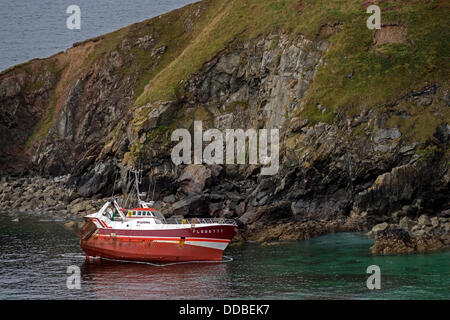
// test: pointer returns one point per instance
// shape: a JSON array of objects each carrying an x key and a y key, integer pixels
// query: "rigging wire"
[
  {"x": 225, "y": 259},
  {"x": 228, "y": 259},
  {"x": 114, "y": 186},
  {"x": 154, "y": 186}
]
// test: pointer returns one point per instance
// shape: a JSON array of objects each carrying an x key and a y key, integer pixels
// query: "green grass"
[
  {"x": 422, "y": 122},
  {"x": 380, "y": 75},
  {"x": 36, "y": 76},
  {"x": 42, "y": 128},
  {"x": 427, "y": 153},
  {"x": 223, "y": 23}
]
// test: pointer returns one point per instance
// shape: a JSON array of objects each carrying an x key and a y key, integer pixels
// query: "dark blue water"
[
  {"x": 37, "y": 29},
  {"x": 35, "y": 254}
]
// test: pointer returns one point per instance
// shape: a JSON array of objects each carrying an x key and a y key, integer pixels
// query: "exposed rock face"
[
  {"x": 98, "y": 179},
  {"x": 194, "y": 178},
  {"x": 380, "y": 227},
  {"x": 406, "y": 223},
  {"x": 395, "y": 187},
  {"x": 296, "y": 230},
  {"x": 24, "y": 97},
  {"x": 400, "y": 241},
  {"x": 90, "y": 112},
  {"x": 412, "y": 235},
  {"x": 40, "y": 196},
  {"x": 259, "y": 82},
  {"x": 340, "y": 169}
]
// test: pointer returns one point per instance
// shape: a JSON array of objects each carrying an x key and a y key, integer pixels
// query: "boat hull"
[{"x": 113, "y": 244}]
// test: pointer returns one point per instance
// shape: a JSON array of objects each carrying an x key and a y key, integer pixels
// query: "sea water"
[
  {"x": 35, "y": 254},
  {"x": 38, "y": 29}
]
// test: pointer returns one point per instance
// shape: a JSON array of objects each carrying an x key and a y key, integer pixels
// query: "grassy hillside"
[
  {"x": 379, "y": 74},
  {"x": 356, "y": 73}
]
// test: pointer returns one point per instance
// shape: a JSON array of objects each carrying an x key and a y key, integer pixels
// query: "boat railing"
[{"x": 200, "y": 221}]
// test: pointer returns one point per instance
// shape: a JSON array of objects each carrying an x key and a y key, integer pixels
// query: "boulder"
[
  {"x": 406, "y": 223},
  {"x": 397, "y": 215},
  {"x": 380, "y": 227},
  {"x": 71, "y": 225},
  {"x": 428, "y": 244},
  {"x": 435, "y": 221},
  {"x": 194, "y": 205},
  {"x": 445, "y": 213},
  {"x": 410, "y": 211},
  {"x": 274, "y": 212},
  {"x": 249, "y": 216},
  {"x": 386, "y": 135},
  {"x": 169, "y": 199},
  {"x": 216, "y": 169},
  {"x": 418, "y": 232},
  {"x": 392, "y": 241},
  {"x": 424, "y": 220},
  {"x": 214, "y": 208},
  {"x": 228, "y": 63},
  {"x": 446, "y": 226},
  {"x": 194, "y": 178},
  {"x": 240, "y": 208},
  {"x": 78, "y": 207}
]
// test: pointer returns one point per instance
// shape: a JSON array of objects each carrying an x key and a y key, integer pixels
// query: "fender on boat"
[{"x": 87, "y": 230}]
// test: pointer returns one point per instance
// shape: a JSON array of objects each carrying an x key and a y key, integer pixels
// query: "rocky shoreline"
[
  {"x": 359, "y": 144},
  {"x": 44, "y": 196},
  {"x": 420, "y": 235},
  {"x": 400, "y": 234}
]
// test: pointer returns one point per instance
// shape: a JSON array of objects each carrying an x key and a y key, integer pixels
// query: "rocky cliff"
[{"x": 363, "y": 115}]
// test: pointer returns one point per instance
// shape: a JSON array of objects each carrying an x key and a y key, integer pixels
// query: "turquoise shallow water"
[{"x": 35, "y": 254}]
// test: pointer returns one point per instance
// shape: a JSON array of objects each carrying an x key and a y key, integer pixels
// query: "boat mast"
[{"x": 137, "y": 181}]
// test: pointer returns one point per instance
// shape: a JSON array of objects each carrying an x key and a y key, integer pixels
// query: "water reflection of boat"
[
  {"x": 117, "y": 280},
  {"x": 143, "y": 234}
]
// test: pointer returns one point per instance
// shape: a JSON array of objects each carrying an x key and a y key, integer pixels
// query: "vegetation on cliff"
[
  {"x": 363, "y": 73},
  {"x": 363, "y": 114}
]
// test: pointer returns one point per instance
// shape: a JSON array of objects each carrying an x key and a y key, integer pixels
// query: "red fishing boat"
[{"x": 143, "y": 234}]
